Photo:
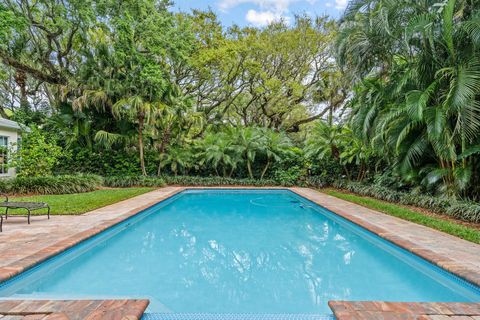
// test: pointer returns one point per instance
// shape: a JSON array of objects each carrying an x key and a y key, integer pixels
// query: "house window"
[{"x": 3, "y": 155}]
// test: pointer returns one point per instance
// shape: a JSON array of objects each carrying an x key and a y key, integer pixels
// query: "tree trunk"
[
  {"x": 165, "y": 141},
  {"x": 347, "y": 172},
  {"x": 249, "y": 168},
  {"x": 21, "y": 80},
  {"x": 265, "y": 169},
  {"x": 140, "y": 144},
  {"x": 159, "y": 169}
]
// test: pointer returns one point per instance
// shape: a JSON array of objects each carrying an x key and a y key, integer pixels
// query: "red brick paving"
[
  {"x": 73, "y": 310},
  {"x": 347, "y": 310}
]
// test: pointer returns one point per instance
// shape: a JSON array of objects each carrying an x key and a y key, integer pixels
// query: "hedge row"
[
  {"x": 51, "y": 184},
  {"x": 462, "y": 210},
  {"x": 216, "y": 181},
  {"x": 133, "y": 181},
  {"x": 65, "y": 184}
]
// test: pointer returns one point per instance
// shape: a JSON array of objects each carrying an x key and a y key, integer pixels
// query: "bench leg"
[
  {"x": 1, "y": 223},
  {"x": 6, "y": 213},
  {"x": 28, "y": 216},
  {"x": 48, "y": 213}
]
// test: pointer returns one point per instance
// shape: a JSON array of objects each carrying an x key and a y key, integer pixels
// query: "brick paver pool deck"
[
  {"x": 81, "y": 309},
  {"x": 363, "y": 310},
  {"x": 23, "y": 246}
]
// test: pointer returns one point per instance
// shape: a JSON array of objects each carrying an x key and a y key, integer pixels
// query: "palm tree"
[
  {"x": 178, "y": 158},
  {"x": 327, "y": 141},
  {"x": 137, "y": 109},
  {"x": 275, "y": 146},
  {"x": 248, "y": 143},
  {"x": 217, "y": 150},
  {"x": 417, "y": 100}
]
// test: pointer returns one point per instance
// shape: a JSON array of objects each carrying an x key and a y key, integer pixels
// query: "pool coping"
[
  {"x": 72, "y": 309},
  {"x": 348, "y": 310},
  {"x": 463, "y": 271}
]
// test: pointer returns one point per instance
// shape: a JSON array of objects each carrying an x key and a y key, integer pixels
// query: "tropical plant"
[
  {"x": 418, "y": 75},
  {"x": 64, "y": 184},
  {"x": 249, "y": 141},
  {"x": 276, "y": 146},
  {"x": 178, "y": 159},
  {"x": 218, "y": 150},
  {"x": 36, "y": 155},
  {"x": 136, "y": 109}
]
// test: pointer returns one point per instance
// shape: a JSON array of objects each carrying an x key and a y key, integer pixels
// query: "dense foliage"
[
  {"x": 133, "y": 181},
  {"x": 387, "y": 96},
  {"x": 36, "y": 155},
  {"x": 416, "y": 69}
]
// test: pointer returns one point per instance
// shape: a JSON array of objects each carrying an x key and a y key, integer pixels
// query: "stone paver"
[
  {"x": 359, "y": 310},
  {"x": 71, "y": 309},
  {"x": 458, "y": 256}
]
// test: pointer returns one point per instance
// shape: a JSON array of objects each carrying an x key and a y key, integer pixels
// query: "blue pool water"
[{"x": 219, "y": 251}]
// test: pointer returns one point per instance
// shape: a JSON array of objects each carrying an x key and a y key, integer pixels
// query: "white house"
[{"x": 9, "y": 139}]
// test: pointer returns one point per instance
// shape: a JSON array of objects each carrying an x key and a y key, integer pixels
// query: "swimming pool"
[{"x": 239, "y": 251}]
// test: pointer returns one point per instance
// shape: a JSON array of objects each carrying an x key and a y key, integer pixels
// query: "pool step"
[{"x": 234, "y": 316}]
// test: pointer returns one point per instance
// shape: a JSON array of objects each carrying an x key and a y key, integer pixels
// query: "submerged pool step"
[{"x": 235, "y": 316}]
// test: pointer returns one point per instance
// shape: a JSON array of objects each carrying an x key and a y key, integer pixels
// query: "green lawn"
[
  {"x": 78, "y": 203},
  {"x": 456, "y": 229}
]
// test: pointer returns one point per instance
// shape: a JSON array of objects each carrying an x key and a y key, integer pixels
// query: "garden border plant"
[
  {"x": 65, "y": 184},
  {"x": 463, "y": 210}
]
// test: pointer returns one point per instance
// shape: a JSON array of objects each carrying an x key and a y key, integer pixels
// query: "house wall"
[{"x": 12, "y": 135}]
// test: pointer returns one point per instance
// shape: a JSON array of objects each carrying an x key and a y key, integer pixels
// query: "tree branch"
[{"x": 37, "y": 74}]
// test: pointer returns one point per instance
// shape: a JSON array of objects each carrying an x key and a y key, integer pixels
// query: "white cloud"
[
  {"x": 266, "y": 5},
  {"x": 262, "y": 18},
  {"x": 341, "y": 4},
  {"x": 270, "y": 10}
]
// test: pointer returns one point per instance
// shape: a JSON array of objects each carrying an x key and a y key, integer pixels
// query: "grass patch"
[
  {"x": 78, "y": 203},
  {"x": 450, "y": 227}
]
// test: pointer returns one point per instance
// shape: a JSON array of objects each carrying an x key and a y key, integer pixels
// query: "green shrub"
[
  {"x": 466, "y": 211},
  {"x": 133, "y": 181},
  {"x": 37, "y": 155},
  {"x": 318, "y": 182},
  {"x": 107, "y": 163},
  {"x": 462, "y": 210},
  {"x": 216, "y": 181},
  {"x": 51, "y": 184},
  {"x": 290, "y": 176}
]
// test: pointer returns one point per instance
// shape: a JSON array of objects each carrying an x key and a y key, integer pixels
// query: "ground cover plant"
[
  {"x": 51, "y": 184},
  {"x": 470, "y": 233}
]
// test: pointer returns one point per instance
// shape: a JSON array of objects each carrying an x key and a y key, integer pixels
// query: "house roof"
[{"x": 4, "y": 123}]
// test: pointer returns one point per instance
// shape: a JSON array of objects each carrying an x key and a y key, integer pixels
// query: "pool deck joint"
[{"x": 23, "y": 246}]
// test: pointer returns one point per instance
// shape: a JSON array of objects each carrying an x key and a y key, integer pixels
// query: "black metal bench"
[{"x": 29, "y": 206}]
